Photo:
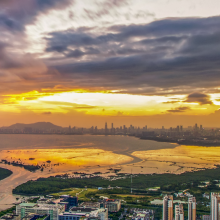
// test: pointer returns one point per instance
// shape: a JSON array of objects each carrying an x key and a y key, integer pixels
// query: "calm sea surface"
[
  {"x": 74, "y": 152},
  {"x": 117, "y": 144}
]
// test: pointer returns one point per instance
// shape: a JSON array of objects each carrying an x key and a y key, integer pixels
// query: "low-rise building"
[
  {"x": 113, "y": 205},
  {"x": 69, "y": 200},
  {"x": 90, "y": 205},
  {"x": 43, "y": 200},
  {"x": 53, "y": 210},
  {"x": 77, "y": 213},
  {"x": 206, "y": 195},
  {"x": 206, "y": 217},
  {"x": 141, "y": 214}
]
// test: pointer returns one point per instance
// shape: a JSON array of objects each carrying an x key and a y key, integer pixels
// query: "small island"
[{"x": 4, "y": 173}]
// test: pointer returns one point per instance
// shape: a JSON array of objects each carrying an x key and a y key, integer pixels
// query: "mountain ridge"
[{"x": 36, "y": 125}]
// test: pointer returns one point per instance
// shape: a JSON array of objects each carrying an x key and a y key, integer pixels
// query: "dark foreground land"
[
  {"x": 4, "y": 173},
  {"x": 10, "y": 210},
  {"x": 44, "y": 186},
  {"x": 145, "y": 189}
]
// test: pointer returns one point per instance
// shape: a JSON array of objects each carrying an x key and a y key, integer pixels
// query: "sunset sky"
[{"x": 87, "y": 62}]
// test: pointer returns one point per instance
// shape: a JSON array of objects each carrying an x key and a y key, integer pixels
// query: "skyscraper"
[
  {"x": 125, "y": 129},
  {"x": 168, "y": 207},
  {"x": 215, "y": 206},
  {"x": 196, "y": 127},
  {"x": 192, "y": 208},
  {"x": 178, "y": 128},
  {"x": 112, "y": 129},
  {"x": 106, "y": 128},
  {"x": 179, "y": 213}
]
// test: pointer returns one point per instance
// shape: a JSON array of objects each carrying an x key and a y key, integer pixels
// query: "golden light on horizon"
[{"x": 112, "y": 103}]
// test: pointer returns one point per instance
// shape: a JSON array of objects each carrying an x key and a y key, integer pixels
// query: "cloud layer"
[
  {"x": 200, "y": 98},
  {"x": 167, "y": 56},
  {"x": 169, "y": 53}
]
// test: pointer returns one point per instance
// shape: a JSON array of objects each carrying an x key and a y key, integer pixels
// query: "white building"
[
  {"x": 113, "y": 205},
  {"x": 168, "y": 207},
  {"x": 206, "y": 217},
  {"x": 215, "y": 206},
  {"x": 192, "y": 208},
  {"x": 80, "y": 212},
  {"x": 179, "y": 213},
  {"x": 53, "y": 210}
]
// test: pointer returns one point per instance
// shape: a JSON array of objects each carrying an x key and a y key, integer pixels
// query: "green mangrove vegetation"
[
  {"x": 166, "y": 182},
  {"x": 4, "y": 173}
]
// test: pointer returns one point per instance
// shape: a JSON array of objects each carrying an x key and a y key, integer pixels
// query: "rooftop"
[
  {"x": 82, "y": 209},
  {"x": 27, "y": 204}
]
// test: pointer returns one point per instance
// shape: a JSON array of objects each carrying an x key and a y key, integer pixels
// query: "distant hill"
[{"x": 37, "y": 125}]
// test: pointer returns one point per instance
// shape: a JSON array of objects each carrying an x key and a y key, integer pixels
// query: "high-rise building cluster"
[
  {"x": 119, "y": 130},
  {"x": 179, "y": 211}
]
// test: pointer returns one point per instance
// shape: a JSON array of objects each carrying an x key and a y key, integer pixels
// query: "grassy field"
[
  {"x": 81, "y": 193},
  {"x": 129, "y": 195},
  {"x": 86, "y": 194}
]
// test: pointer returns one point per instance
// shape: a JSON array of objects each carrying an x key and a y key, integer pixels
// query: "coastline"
[
  {"x": 140, "y": 181},
  {"x": 200, "y": 143}
]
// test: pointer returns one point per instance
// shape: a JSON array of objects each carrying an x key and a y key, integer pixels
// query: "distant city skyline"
[{"x": 109, "y": 126}]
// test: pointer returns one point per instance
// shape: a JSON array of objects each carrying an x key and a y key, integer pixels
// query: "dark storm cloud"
[
  {"x": 155, "y": 58},
  {"x": 10, "y": 24},
  {"x": 174, "y": 52},
  {"x": 106, "y": 7},
  {"x": 60, "y": 41},
  {"x": 170, "y": 27},
  {"x": 17, "y": 68},
  {"x": 200, "y": 98},
  {"x": 167, "y": 31},
  {"x": 15, "y": 15},
  {"x": 179, "y": 109}
]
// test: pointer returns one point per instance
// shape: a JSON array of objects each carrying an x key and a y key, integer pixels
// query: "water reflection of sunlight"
[
  {"x": 186, "y": 156},
  {"x": 65, "y": 159},
  {"x": 172, "y": 160}
]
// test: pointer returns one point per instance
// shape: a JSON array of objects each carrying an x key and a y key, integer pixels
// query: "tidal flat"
[
  {"x": 104, "y": 156},
  {"x": 89, "y": 154}
]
